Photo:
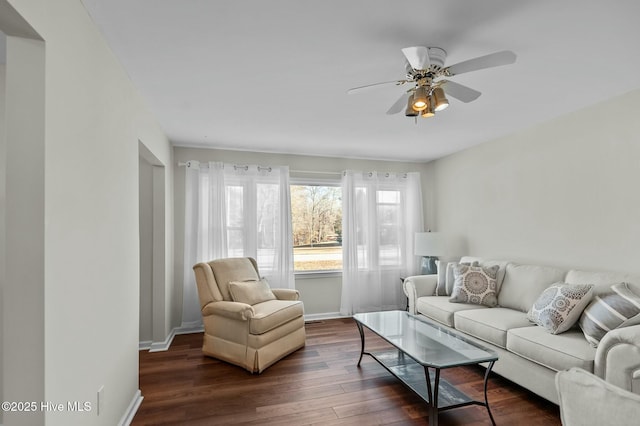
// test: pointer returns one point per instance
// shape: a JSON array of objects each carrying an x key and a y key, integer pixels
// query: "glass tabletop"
[{"x": 427, "y": 343}]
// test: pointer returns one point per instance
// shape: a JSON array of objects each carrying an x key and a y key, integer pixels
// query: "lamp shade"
[{"x": 429, "y": 244}]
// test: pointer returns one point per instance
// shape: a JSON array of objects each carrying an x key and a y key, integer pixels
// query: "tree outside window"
[{"x": 316, "y": 213}]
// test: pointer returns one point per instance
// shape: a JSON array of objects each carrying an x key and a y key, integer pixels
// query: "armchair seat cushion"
[{"x": 274, "y": 313}]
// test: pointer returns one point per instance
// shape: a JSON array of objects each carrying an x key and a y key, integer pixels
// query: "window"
[{"x": 316, "y": 215}]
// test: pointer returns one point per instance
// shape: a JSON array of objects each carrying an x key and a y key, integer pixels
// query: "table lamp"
[{"x": 429, "y": 245}]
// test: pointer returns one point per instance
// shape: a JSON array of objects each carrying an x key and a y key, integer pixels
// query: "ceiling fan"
[{"x": 426, "y": 72}]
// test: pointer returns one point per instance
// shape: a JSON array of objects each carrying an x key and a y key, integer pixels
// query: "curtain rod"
[
  {"x": 238, "y": 166},
  {"x": 204, "y": 164}
]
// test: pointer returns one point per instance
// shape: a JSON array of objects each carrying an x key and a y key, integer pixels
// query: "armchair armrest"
[
  {"x": 618, "y": 358},
  {"x": 418, "y": 286},
  {"x": 233, "y": 310},
  {"x": 286, "y": 293}
]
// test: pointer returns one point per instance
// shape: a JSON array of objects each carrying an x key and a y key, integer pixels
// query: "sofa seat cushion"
[
  {"x": 440, "y": 309},
  {"x": 555, "y": 351},
  {"x": 490, "y": 325},
  {"x": 274, "y": 313}
]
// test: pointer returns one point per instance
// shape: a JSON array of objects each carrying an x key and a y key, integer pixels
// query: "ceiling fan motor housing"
[{"x": 437, "y": 56}]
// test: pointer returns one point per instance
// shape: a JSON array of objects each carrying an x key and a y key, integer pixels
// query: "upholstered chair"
[
  {"x": 587, "y": 400},
  {"x": 245, "y": 322}
]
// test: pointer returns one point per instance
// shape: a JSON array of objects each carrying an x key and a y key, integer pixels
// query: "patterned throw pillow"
[
  {"x": 613, "y": 310},
  {"x": 559, "y": 306},
  {"x": 445, "y": 287},
  {"x": 475, "y": 284}
]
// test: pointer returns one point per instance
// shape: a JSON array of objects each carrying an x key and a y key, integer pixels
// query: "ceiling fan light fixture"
[
  {"x": 428, "y": 112},
  {"x": 410, "y": 112},
  {"x": 420, "y": 99},
  {"x": 440, "y": 100}
]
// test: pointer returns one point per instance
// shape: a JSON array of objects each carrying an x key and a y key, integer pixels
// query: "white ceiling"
[{"x": 272, "y": 75}]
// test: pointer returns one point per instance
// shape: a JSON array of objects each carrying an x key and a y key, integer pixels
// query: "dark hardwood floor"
[{"x": 319, "y": 384}]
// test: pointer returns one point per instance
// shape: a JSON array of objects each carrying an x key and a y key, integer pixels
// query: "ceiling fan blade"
[
  {"x": 399, "y": 105},
  {"x": 460, "y": 92},
  {"x": 407, "y": 66},
  {"x": 370, "y": 86},
  {"x": 417, "y": 56},
  {"x": 497, "y": 59}
]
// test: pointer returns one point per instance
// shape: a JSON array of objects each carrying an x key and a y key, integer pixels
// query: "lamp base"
[{"x": 428, "y": 265}]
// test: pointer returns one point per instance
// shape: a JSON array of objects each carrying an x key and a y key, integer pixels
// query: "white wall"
[
  {"x": 88, "y": 315},
  {"x": 562, "y": 193},
  {"x": 3, "y": 201},
  {"x": 24, "y": 290},
  {"x": 320, "y": 295}
]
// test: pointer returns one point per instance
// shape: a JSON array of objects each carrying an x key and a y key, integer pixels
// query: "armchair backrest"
[{"x": 212, "y": 278}]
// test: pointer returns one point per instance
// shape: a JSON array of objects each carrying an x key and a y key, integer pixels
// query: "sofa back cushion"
[
  {"x": 524, "y": 283},
  {"x": 603, "y": 281}
]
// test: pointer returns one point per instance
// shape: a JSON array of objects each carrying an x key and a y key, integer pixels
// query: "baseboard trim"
[
  {"x": 142, "y": 346},
  {"x": 190, "y": 327},
  {"x": 325, "y": 316},
  {"x": 185, "y": 328},
  {"x": 164, "y": 345},
  {"x": 132, "y": 409}
]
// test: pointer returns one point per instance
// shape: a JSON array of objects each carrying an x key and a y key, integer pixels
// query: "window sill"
[{"x": 317, "y": 274}]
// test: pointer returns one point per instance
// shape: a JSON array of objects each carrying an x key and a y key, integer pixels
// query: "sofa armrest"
[
  {"x": 418, "y": 286},
  {"x": 233, "y": 310},
  {"x": 618, "y": 358},
  {"x": 286, "y": 293}
]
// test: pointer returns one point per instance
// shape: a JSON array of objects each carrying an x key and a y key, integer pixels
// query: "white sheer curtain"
[
  {"x": 236, "y": 211},
  {"x": 380, "y": 215}
]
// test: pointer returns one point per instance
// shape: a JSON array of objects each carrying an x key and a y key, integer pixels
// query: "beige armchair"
[{"x": 245, "y": 322}]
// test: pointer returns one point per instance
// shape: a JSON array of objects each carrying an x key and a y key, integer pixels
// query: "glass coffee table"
[{"x": 419, "y": 346}]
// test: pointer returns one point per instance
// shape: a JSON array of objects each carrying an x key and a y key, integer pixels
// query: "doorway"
[{"x": 153, "y": 315}]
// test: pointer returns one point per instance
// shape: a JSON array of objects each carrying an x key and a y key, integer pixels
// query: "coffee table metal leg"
[
  {"x": 361, "y": 341},
  {"x": 486, "y": 401},
  {"x": 433, "y": 395}
]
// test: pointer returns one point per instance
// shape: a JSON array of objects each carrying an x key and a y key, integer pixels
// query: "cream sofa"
[{"x": 529, "y": 355}]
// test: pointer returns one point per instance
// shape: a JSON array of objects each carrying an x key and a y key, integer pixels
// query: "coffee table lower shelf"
[{"x": 413, "y": 375}]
